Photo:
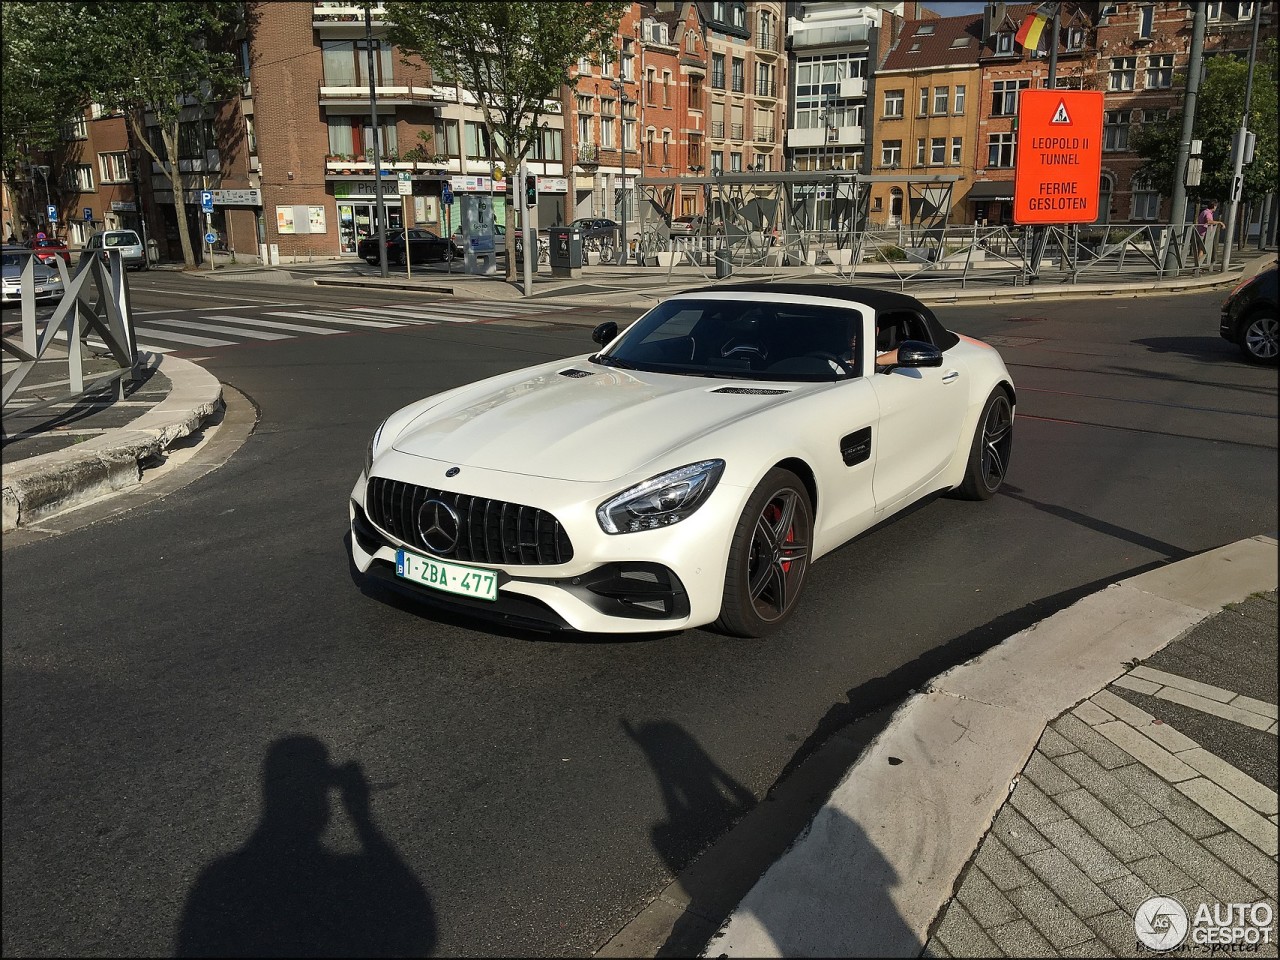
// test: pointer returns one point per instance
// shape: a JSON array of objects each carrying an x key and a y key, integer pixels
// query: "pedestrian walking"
[{"x": 1208, "y": 218}]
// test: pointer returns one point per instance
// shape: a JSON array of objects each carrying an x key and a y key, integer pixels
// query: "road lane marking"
[
  {"x": 234, "y": 331},
  {"x": 182, "y": 337},
  {"x": 277, "y": 325},
  {"x": 334, "y": 318}
]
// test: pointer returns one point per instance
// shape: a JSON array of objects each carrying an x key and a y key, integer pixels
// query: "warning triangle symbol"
[{"x": 1060, "y": 115}]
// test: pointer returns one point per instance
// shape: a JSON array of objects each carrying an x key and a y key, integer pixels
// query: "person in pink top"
[{"x": 1208, "y": 218}]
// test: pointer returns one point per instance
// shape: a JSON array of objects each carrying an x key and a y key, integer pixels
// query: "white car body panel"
[{"x": 567, "y": 444}]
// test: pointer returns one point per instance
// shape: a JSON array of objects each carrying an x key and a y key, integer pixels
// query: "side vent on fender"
[
  {"x": 576, "y": 374},
  {"x": 856, "y": 447},
  {"x": 751, "y": 391}
]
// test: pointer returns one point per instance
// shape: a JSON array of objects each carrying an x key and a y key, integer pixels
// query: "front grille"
[{"x": 490, "y": 531}]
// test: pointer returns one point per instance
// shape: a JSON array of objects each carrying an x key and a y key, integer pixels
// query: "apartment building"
[
  {"x": 1143, "y": 51},
  {"x": 926, "y": 119},
  {"x": 746, "y": 95},
  {"x": 91, "y": 182}
]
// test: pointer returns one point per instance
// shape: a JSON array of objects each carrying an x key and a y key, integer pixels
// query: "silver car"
[
  {"x": 127, "y": 242},
  {"x": 48, "y": 283}
]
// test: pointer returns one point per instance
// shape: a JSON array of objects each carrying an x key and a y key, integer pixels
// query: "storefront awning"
[{"x": 991, "y": 190}]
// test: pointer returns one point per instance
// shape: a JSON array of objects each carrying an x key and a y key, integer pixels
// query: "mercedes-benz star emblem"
[
  {"x": 453, "y": 471},
  {"x": 438, "y": 525}
]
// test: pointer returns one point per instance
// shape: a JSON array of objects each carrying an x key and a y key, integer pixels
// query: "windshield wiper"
[{"x": 607, "y": 361}]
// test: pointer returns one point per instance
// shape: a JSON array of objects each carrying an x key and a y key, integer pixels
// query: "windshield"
[
  {"x": 741, "y": 339},
  {"x": 125, "y": 239}
]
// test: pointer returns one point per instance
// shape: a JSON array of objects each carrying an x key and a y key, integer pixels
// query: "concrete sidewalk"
[{"x": 1030, "y": 802}]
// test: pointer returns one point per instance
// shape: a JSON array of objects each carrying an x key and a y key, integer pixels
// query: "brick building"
[{"x": 926, "y": 112}]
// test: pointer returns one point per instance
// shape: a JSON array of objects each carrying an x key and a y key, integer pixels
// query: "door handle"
[{"x": 951, "y": 376}]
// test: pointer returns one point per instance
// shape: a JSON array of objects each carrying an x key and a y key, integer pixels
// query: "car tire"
[
  {"x": 1257, "y": 336},
  {"x": 991, "y": 449},
  {"x": 402, "y": 258},
  {"x": 372, "y": 261},
  {"x": 768, "y": 557}
]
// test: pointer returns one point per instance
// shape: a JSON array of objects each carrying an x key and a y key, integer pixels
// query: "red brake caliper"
[{"x": 774, "y": 513}]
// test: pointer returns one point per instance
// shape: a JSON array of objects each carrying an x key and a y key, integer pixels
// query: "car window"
[
  {"x": 893, "y": 328},
  {"x": 125, "y": 238},
  {"x": 743, "y": 339}
]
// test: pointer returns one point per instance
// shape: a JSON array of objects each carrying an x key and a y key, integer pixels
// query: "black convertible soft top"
[{"x": 881, "y": 301}]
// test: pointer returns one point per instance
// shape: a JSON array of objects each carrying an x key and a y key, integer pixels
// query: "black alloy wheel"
[
  {"x": 992, "y": 447},
  {"x": 768, "y": 557}
]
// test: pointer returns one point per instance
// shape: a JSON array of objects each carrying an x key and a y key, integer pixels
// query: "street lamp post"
[
  {"x": 623, "y": 250},
  {"x": 377, "y": 149},
  {"x": 43, "y": 170}
]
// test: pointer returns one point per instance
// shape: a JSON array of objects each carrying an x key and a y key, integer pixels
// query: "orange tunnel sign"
[{"x": 1059, "y": 156}]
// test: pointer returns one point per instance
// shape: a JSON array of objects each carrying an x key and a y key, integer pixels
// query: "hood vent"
[
  {"x": 752, "y": 391},
  {"x": 576, "y": 374}
]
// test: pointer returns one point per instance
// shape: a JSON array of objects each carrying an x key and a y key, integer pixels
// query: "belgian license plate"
[{"x": 449, "y": 577}]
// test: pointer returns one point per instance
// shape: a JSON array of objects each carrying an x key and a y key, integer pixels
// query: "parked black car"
[
  {"x": 1249, "y": 317},
  {"x": 424, "y": 246}
]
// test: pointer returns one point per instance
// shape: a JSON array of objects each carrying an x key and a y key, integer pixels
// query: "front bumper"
[{"x": 661, "y": 580}]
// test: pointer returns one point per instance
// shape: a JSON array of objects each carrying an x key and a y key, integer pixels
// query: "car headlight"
[
  {"x": 373, "y": 448},
  {"x": 662, "y": 500}
]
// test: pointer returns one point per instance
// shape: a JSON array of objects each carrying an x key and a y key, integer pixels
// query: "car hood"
[{"x": 584, "y": 428}]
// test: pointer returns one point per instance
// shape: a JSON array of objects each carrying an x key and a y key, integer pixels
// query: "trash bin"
[
  {"x": 724, "y": 266},
  {"x": 566, "y": 247}
]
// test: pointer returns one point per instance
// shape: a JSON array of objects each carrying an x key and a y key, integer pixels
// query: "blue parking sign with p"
[
  {"x": 51, "y": 212},
  {"x": 206, "y": 201},
  {"x": 446, "y": 195},
  {"x": 88, "y": 214}
]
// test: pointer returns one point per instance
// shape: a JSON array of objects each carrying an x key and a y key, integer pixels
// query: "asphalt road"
[{"x": 184, "y": 686}]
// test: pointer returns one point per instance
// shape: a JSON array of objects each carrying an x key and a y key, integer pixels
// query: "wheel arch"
[{"x": 802, "y": 470}]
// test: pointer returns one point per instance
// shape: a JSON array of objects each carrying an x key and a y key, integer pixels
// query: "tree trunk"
[{"x": 170, "y": 138}]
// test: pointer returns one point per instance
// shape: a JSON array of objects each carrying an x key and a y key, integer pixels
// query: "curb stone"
[{"x": 40, "y": 486}]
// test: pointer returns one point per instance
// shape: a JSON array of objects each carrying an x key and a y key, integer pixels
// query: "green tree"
[
  {"x": 171, "y": 60},
  {"x": 1219, "y": 106},
  {"x": 42, "y": 90},
  {"x": 513, "y": 56}
]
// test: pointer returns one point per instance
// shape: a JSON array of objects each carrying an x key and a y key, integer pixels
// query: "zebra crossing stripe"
[
  {"x": 220, "y": 328},
  {"x": 277, "y": 325},
  {"x": 99, "y": 345},
  {"x": 182, "y": 337},
  {"x": 350, "y": 321}
]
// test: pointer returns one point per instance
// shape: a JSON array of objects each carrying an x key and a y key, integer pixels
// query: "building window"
[
  {"x": 938, "y": 150},
  {"x": 445, "y": 138},
  {"x": 924, "y": 102},
  {"x": 114, "y": 167},
  {"x": 1004, "y": 42},
  {"x": 478, "y": 142},
  {"x": 717, "y": 160},
  {"x": 735, "y": 162},
  {"x": 739, "y": 15},
  {"x": 695, "y": 91},
  {"x": 957, "y": 148},
  {"x": 959, "y": 107},
  {"x": 1115, "y": 130},
  {"x": 606, "y": 61},
  {"x": 739, "y": 75},
  {"x": 691, "y": 42},
  {"x": 1160, "y": 72},
  {"x": 1075, "y": 39},
  {"x": 80, "y": 178},
  {"x": 1000, "y": 150},
  {"x": 75, "y": 129},
  {"x": 649, "y": 137},
  {"x": 666, "y": 88},
  {"x": 549, "y": 145},
  {"x": 893, "y": 102},
  {"x": 345, "y": 63},
  {"x": 1146, "y": 200},
  {"x": 650, "y": 87},
  {"x": 1122, "y": 71},
  {"x": 666, "y": 148},
  {"x": 251, "y": 134},
  {"x": 1106, "y": 186},
  {"x": 1146, "y": 16},
  {"x": 607, "y": 130},
  {"x": 584, "y": 128},
  {"x": 1004, "y": 96},
  {"x": 1213, "y": 11},
  {"x": 920, "y": 152},
  {"x": 890, "y": 153},
  {"x": 1155, "y": 116},
  {"x": 940, "y": 97},
  {"x": 717, "y": 71}
]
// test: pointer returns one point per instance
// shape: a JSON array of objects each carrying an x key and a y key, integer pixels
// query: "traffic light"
[{"x": 531, "y": 191}]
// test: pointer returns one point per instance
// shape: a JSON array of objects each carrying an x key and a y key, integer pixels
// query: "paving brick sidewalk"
[{"x": 1118, "y": 805}]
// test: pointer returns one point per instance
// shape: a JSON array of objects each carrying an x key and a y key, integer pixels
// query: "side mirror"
[
  {"x": 608, "y": 330},
  {"x": 917, "y": 353}
]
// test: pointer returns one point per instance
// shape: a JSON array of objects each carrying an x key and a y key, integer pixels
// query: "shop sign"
[
  {"x": 553, "y": 184},
  {"x": 237, "y": 198},
  {"x": 123, "y": 206}
]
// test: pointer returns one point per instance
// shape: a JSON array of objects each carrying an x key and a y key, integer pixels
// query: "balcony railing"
[
  {"x": 717, "y": 129},
  {"x": 767, "y": 41},
  {"x": 325, "y": 15},
  {"x": 735, "y": 131},
  {"x": 739, "y": 85},
  {"x": 763, "y": 135},
  {"x": 345, "y": 93},
  {"x": 766, "y": 88},
  {"x": 717, "y": 81}
]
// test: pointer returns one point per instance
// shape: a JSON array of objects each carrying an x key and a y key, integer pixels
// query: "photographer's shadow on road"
[{"x": 284, "y": 893}]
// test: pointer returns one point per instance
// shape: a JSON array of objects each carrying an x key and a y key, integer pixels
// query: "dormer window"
[
  {"x": 924, "y": 30},
  {"x": 739, "y": 15},
  {"x": 1075, "y": 38},
  {"x": 1004, "y": 41}
]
